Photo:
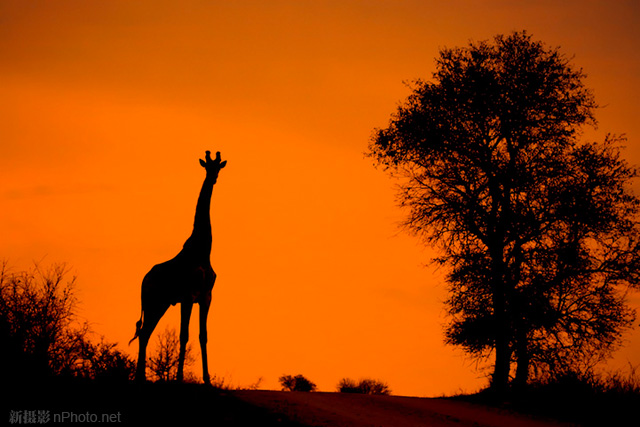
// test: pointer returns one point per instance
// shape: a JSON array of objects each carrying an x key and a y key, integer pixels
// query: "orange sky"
[{"x": 105, "y": 108}]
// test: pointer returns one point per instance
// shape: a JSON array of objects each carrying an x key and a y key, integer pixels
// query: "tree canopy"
[{"x": 538, "y": 230}]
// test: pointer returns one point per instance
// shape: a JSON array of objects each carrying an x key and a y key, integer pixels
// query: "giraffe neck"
[
  {"x": 202, "y": 222},
  {"x": 200, "y": 239}
]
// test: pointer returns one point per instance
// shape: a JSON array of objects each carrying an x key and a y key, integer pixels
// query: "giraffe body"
[{"x": 186, "y": 279}]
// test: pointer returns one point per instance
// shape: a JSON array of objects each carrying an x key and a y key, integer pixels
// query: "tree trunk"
[
  {"x": 522, "y": 354},
  {"x": 500, "y": 378}
]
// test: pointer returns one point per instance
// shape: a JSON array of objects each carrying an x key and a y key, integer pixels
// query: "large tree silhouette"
[{"x": 538, "y": 230}]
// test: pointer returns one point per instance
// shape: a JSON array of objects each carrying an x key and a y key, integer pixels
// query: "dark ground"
[
  {"x": 131, "y": 404},
  {"x": 569, "y": 403},
  {"x": 196, "y": 404}
]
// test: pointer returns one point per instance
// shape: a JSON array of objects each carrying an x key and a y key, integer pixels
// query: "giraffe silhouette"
[{"x": 186, "y": 279}]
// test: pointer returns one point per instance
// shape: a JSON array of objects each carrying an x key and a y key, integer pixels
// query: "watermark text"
[{"x": 44, "y": 417}]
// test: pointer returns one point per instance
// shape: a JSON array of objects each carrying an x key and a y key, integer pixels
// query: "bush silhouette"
[
  {"x": 297, "y": 383},
  {"x": 364, "y": 386},
  {"x": 347, "y": 385},
  {"x": 103, "y": 362}
]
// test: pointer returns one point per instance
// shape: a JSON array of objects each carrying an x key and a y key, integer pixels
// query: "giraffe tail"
[{"x": 138, "y": 328}]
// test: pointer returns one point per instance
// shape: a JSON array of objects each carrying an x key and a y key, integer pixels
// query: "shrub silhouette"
[
  {"x": 103, "y": 362},
  {"x": 297, "y": 383},
  {"x": 364, "y": 386},
  {"x": 347, "y": 385}
]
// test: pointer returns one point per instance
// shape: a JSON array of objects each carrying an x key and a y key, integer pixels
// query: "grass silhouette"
[{"x": 587, "y": 399}]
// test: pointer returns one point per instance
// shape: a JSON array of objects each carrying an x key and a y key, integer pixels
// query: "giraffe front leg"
[
  {"x": 185, "y": 316},
  {"x": 204, "y": 312}
]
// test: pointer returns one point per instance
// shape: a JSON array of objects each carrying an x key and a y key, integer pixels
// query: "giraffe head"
[{"x": 212, "y": 166}]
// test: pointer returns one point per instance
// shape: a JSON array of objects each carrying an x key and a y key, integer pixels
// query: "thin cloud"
[{"x": 39, "y": 191}]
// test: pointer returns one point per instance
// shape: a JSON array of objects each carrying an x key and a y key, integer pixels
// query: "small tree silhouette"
[
  {"x": 164, "y": 362},
  {"x": 297, "y": 383}
]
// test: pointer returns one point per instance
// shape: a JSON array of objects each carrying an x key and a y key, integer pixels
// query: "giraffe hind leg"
[{"x": 150, "y": 320}]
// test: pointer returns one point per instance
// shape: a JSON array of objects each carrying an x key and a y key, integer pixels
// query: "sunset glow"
[{"x": 106, "y": 108}]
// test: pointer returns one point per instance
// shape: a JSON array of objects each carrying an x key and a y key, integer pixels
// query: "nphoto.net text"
[{"x": 45, "y": 417}]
